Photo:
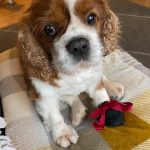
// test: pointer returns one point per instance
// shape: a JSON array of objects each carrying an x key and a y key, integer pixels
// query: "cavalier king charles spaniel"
[{"x": 62, "y": 44}]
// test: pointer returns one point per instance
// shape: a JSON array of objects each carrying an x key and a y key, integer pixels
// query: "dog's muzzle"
[{"x": 79, "y": 48}]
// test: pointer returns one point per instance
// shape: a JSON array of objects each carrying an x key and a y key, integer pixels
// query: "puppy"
[{"x": 62, "y": 43}]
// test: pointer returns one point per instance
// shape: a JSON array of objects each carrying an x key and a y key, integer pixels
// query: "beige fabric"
[
  {"x": 9, "y": 68},
  {"x": 25, "y": 127},
  {"x": 27, "y": 133},
  {"x": 116, "y": 69},
  {"x": 17, "y": 106}
]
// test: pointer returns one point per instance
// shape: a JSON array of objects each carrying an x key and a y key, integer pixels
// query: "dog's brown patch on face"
[
  {"x": 90, "y": 7},
  {"x": 49, "y": 12},
  {"x": 107, "y": 24},
  {"x": 35, "y": 46}
]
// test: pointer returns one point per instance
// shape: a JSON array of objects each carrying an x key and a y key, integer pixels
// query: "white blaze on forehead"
[
  {"x": 70, "y": 4},
  {"x": 71, "y": 7}
]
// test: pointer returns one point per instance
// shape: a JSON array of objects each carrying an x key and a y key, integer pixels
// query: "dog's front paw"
[
  {"x": 116, "y": 90},
  {"x": 64, "y": 135}
]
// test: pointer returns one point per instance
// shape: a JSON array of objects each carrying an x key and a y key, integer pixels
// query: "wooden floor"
[{"x": 9, "y": 14}]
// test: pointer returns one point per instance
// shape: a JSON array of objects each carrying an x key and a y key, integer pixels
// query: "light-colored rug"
[{"x": 26, "y": 130}]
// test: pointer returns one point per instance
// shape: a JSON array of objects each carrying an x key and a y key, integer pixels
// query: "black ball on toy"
[{"x": 114, "y": 118}]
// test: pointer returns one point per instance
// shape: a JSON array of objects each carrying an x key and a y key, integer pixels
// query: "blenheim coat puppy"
[{"x": 62, "y": 44}]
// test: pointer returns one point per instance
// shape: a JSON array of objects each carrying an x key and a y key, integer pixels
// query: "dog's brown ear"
[
  {"x": 110, "y": 29},
  {"x": 33, "y": 57}
]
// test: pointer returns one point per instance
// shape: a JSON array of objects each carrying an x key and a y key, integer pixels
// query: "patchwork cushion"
[{"x": 25, "y": 127}]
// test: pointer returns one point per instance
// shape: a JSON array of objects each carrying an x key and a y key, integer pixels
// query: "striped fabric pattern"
[{"x": 26, "y": 129}]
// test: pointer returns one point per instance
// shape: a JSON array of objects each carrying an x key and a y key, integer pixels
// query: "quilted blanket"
[{"x": 26, "y": 129}]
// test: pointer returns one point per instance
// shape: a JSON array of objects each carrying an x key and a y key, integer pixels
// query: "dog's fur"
[{"x": 54, "y": 73}]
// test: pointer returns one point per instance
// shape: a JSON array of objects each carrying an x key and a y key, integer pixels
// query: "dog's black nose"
[{"x": 78, "y": 47}]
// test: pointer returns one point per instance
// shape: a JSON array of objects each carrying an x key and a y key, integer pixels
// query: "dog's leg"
[
  {"x": 98, "y": 94},
  {"x": 61, "y": 133},
  {"x": 78, "y": 109},
  {"x": 48, "y": 108},
  {"x": 114, "y": 89}
]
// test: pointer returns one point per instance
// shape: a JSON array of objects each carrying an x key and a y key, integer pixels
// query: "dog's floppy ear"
[
  {"x": 110, "y": 29},
  {"x": 33, "y": 57}
]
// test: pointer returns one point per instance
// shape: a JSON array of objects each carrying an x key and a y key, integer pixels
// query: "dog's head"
[{"x": 69, "y": 33}]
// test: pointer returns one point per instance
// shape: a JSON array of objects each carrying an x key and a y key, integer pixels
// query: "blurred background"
[{"x": 134, "y": 17}]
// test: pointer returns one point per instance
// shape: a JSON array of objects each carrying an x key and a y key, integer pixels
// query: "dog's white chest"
[
  {"x": 79, "y": 82},
  {"x": 70, "y": 84}
]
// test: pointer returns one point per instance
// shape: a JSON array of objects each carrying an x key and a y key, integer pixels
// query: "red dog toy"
[{"x": 110, "y": 113}]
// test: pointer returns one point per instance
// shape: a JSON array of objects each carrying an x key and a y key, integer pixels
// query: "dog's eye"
[
  {"x": 49, "y": 30},
  {"x": 91, "y": 19}
]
